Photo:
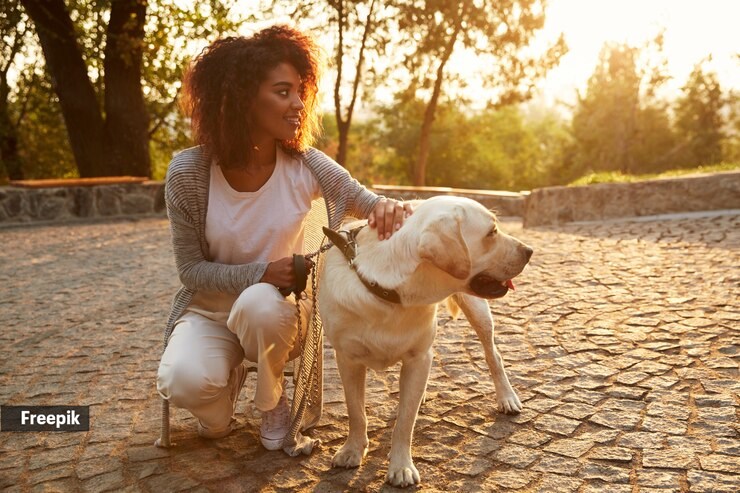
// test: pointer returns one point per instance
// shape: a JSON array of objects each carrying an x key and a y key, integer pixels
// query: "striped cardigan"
[{"x": 186, "y": 196}]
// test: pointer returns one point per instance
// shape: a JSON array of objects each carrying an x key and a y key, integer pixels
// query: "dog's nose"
[{"x": 528, "y": 252}]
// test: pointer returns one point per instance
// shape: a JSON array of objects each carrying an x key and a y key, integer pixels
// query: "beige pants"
[{"x": 197, "y": 370}]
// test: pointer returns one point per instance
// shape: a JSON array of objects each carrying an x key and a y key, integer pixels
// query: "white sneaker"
[
  {"x": 275, "y": 424},
  {"x": 238, "y": 379}
]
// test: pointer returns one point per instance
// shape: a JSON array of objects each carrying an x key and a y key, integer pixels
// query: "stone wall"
[
  {"x": 558, "y": 205},
  {"x": 58, "y": 204},
  {"x": 544, "y": 206},
  {"x": 503, "y": 203}
]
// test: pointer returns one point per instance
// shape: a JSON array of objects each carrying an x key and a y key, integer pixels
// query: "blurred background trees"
[{"x": 429, "y": 131}]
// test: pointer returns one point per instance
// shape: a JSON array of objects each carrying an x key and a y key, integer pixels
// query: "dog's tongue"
[{"x": 510, "y": 284}]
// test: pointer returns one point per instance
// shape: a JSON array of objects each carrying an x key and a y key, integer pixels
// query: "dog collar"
[{"x": 348, "y": 247}]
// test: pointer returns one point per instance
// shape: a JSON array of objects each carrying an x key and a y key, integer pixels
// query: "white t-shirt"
[{"x": 261, "y": 226}]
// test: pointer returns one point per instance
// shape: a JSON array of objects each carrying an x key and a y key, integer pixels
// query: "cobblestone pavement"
[{"x": 621, "y": 339}]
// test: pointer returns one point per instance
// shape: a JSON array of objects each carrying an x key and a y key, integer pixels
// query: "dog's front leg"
[
  {"x": 413, "y": 384},
  {"x": 353, "y": 379},
  {"x": 479, "y": 315}
]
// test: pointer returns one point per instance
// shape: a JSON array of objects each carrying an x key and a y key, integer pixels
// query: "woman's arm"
[
  {"x": 384, "y": 214},
  {"x": 194, "y": 271},
  {"x": 387, "y": 215}
]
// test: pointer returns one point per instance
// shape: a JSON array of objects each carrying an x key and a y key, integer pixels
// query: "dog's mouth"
[{"x": 486, "y": 286}]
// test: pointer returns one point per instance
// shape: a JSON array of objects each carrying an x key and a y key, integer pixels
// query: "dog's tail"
[{"x": 453, "y": 307}]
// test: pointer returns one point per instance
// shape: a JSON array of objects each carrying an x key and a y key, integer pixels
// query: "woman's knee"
[
  {"x": 258, "y": 306},
  {"x": 187, "y": 384}
]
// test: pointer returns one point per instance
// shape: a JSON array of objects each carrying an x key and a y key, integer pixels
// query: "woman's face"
[{"x": 276, "y": 110}]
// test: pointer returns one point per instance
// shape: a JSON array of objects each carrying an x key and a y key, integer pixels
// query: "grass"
[{"x": 619, "y": 177}]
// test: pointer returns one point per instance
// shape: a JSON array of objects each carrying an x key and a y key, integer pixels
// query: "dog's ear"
[{"x": 442, "y": 244}]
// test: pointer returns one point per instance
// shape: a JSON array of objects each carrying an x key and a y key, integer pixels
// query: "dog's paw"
[
  {"x": 509, "y": 403},
  {"x": 348, "y": 456},
  {"x": 403, "y": 474}
]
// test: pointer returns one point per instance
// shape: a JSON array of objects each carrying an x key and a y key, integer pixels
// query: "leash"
[
  {"x": 308, "y": 380},
  {"x": 348, "y": 247}
]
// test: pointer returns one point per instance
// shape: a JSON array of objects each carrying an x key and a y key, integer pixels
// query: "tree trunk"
[
  {"x": 71, "y": 83},
  {"x": 343, "y": 125},
  {"x": 420, "y": 169},
  {"x": 343, "y": 129},
  {"x": 8, "y": 137},
  {"x": 8, "y": 132},
  {"x": 120, "y": 144},
  {"x": 127, "y": 122}
]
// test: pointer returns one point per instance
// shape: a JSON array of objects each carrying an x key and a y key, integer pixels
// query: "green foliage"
[
  {"x": 619, "y": 130},
  {"x": 492, "y": 149},
  {"x": 618, "y": 177},
  {"x": 499, "y": 33},
  {"x": 731, "y": 143},
  {"x": 618, "y": 125},
  {"x": 699, "y": 120},
  {"x": 43, "y": 146}
]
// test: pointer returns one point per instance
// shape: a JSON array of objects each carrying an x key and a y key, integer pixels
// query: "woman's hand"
[
  {"x": 388, "y": 216},
  {"x": 280, "y": 273}
]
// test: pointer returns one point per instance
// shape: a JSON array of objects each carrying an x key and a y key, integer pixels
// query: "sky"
[{"x": 693, "y": 30}]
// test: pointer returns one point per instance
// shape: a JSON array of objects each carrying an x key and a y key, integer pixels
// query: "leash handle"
[{"x": 301, "y": 277}]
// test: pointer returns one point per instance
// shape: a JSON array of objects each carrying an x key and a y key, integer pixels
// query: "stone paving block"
[
  {"x": 714, "y": 400},
  {"x": 712, "y": 482},
  {"x": 569, "y": 447},
  {"x": 109, "y": 481},
  {"x": 729, "y": 446},
  {"x": 576, "y": 411},
  {"x": 606, "y": 473},
  {"x": 508, "y": 480},
  {"x": 625, "y": 392},
  {"x": 556, "y": 424},
  {"x": 664, "y": 425},
  {"x": 553, "y": 463},
  {"x": 668, "y": 458},
  {"x": 694, "y": 444},
  {"x": 469, "y": 465},
  {"x": 516, "y": 455},
  {"x": 530, "y": 438},
  {"x": 600, "y": 486},
  {"x": 555, "y": 483},
  {"x": 50, "y": 473},
  {"x": 720, "y": 463},
  {"x": 617, "y": 454},
  {"x": 659, "y": 478},
  {"x": 623, "y": 420}
]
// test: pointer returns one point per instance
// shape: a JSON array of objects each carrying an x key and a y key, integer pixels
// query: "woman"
[{"x": 237, "y": 204}]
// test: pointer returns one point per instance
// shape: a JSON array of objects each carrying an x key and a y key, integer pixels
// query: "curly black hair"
[{"x": 224, "y": 78}]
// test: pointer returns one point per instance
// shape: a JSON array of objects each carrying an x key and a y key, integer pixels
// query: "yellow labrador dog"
[{"x": 380, "y": 308}]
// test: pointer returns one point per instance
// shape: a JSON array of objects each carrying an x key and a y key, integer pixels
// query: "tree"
[
  {"x": 116, "y": 67},
  {"x": 489, "y": 149},
  {"x": 699, "y": 119},
  {"x": 360, "y": 28},
  {"x": 118, "y": 137},
  {"x": 497, "y": 32},
  {"x": 619, "y": 124},
  {"x": 14, "y": 35},
  {"x": 731, "y": 144}
]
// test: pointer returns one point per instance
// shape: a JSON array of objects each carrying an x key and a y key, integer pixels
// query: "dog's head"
[{"x": 462, "y": 238}]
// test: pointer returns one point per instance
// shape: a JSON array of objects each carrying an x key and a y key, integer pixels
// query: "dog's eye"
[{"x": 493, "y": 232}]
